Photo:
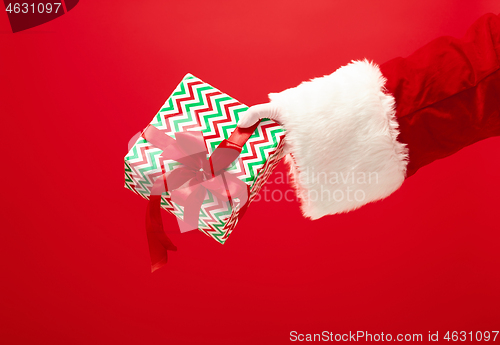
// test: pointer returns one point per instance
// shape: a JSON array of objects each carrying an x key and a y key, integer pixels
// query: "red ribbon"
[{"x": 189, "y": 182}]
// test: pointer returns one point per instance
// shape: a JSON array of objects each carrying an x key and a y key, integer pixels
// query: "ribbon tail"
[
  {"x": 192, "y": 207},
  {"x": 159, "y": 243}
]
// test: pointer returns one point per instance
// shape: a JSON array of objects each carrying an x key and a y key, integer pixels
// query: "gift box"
[{"x": 175, "y": 156}]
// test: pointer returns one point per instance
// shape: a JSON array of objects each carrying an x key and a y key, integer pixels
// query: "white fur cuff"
[{"x": 342, "y": 133}]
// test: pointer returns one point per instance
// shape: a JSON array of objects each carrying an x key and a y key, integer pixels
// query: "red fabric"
[{"x": 448, "y": 93}]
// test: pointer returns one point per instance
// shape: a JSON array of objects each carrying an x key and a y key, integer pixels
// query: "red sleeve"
[{"x": 448, "y": 93}]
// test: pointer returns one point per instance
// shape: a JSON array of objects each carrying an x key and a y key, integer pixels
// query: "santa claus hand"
[
  {"x": 260, "y": 111},
  {"x": 263, "y": 111}
]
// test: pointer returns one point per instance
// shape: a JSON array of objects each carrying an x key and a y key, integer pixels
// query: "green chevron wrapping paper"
[{"x": 197, "y": 106}]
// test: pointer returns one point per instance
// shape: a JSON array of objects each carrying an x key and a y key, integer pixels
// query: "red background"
[{"x": 74, "y": 258}]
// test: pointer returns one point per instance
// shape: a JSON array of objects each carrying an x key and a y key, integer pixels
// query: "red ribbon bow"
[{"x": 188, "y": 184}]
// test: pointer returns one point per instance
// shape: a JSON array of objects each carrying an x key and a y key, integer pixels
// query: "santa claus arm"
[
  {"x": 362, "y": 130},
  {"x": 448, "y": 93}
]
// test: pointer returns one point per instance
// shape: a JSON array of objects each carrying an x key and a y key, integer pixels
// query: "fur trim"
[{"x": 342, "y": 132}]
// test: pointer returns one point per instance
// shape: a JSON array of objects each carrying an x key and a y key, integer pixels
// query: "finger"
[
  {"x": 257, "y": 112},
  {"x": 249, "y": 117}
]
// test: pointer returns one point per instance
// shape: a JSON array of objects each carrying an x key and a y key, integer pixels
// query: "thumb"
[{"x": 257, "y": 112}]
